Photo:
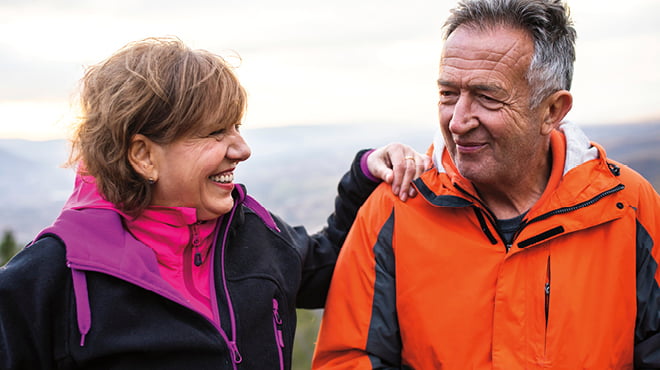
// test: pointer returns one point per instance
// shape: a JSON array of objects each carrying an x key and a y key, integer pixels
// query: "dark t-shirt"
[{"x": 509, "y": 226}]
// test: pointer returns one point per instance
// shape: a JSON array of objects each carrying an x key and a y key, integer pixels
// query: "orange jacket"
[{"x": 429, "y": 284}]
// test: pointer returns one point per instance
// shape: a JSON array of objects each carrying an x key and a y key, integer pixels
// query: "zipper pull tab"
[
  {"x": 277, "y": 324},
  {"x": 198, "y": 259},
  {"x": 235, "y": 354}
]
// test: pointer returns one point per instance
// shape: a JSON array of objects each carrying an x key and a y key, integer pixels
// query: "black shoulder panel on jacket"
[
  {"x": 647, "y": 332},
  {"x": 440, "y": 200}
]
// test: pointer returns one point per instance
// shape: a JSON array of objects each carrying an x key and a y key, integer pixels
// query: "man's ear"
[
  {"x": 141, "y": 157},
  {"x": 555, "y": 107}
]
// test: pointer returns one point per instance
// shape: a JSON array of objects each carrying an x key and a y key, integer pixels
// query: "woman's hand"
[{"x": 398, "y": 164}]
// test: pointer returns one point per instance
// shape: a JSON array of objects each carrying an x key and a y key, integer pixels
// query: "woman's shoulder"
[{"x": 42, "y": 258}]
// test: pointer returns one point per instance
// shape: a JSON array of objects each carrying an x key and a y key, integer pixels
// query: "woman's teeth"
[{"x": 223, "y": 179}]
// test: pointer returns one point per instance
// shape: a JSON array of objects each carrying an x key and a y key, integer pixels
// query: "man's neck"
[
  {"x": 510, "y": 203},
  {"x": 509, "y": 199}
]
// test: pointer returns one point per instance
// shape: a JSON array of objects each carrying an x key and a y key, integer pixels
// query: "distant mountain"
[
  {"x": 30, "y": 172},
  {"x": 635, "y": 145},
  {"x": 293, "y": 170}
]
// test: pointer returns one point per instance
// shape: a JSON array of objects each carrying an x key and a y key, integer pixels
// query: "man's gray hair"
[{"x": 549, "y": 24}]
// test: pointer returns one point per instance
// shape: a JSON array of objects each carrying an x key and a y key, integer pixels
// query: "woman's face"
[{"x": 198, "y": 171}]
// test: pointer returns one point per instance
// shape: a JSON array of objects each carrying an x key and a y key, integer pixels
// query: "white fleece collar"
[{"x": 578, "y": 147}]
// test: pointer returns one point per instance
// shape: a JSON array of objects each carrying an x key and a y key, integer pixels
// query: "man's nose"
[{"x": 463, "y": 118}]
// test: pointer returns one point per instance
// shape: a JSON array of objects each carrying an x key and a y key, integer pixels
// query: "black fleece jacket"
[{"x": 269, "y": 273}]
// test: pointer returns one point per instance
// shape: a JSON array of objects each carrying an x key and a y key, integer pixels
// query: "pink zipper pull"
[
  {"x": 278, "y": 324},
  {"x": 235, "y": 354}
]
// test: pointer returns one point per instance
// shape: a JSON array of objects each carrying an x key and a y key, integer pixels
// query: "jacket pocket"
[{"x": 277, "y": 332}]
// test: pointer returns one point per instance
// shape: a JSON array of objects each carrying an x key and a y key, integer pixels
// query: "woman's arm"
[{"x": 369, "y": 168}]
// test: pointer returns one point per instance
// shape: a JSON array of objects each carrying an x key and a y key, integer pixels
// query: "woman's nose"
[{"x": 239, "y": 150}]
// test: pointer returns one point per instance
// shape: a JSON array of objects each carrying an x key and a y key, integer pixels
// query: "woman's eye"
[
  {"x": 225, "y": 131},
  {"x": 217, "y": 132}
]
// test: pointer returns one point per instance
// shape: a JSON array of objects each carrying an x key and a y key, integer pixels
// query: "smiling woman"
[
  {"x": 158, "y": 259},
  {"x": 173, "y": 113}
]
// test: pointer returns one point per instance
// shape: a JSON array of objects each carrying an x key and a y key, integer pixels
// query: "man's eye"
[
  {"x": 447, "y": 96},
  {"x": 489, "y": 102}
]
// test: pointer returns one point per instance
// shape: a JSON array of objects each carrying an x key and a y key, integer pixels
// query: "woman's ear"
[
  {"x": 141, "y": 157},
  {"x": 555, "y": 108}
]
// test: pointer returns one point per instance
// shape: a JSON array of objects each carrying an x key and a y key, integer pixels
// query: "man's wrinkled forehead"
[{"x": 487, "y": 48}]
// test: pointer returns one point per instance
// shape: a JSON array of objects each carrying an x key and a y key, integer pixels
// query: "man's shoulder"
[
  {"x": 637, "y": 190},
  {"x": 627, "y": 175},
  {"x": 428, "y": 182}
]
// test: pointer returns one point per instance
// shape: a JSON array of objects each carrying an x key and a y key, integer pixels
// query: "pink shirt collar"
[{"x": 168, "y": 231}]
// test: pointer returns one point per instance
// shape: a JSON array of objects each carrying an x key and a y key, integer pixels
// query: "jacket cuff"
[{"x": 365, "y": 168}]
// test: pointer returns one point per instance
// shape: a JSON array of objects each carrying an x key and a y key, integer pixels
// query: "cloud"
[
  {"x": 26, "y": 78},
  {"x": 598, "y": 20},
  {"x": 316, "y": 62}
]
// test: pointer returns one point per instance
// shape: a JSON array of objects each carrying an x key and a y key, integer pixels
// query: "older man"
[{"x": 528, "y": 248}]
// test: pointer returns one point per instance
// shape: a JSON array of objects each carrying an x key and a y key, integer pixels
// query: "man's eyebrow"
[
  {"x": 476, "y": 87},
  {"x": 482, "y": 87},
  {"x": 445, "y": 83}
]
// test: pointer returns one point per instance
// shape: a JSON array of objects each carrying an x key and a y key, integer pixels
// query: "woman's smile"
[{"x": 223, "y": 178}]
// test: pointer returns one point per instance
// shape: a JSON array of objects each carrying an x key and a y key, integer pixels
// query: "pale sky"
[{"x": 308, "y": 61}]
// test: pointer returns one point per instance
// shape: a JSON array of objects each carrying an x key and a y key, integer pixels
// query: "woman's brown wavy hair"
[{"x": 157, "y": 87}]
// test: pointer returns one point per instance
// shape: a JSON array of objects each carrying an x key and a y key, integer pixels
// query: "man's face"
[{"x": 489, "y": 129}]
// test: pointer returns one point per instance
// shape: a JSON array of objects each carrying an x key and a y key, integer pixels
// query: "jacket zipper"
[
  {"x": 197, "y": 260},
  {"x": 546, "y": 291},
  {"x": 189, "y": 261},
  {"x": 537, "y": 238},
  {"x": 586, "y": 203},
  {"x": 236, "y": 356},
  {"x": 559, "y": 211},
  {"x": 277, "y": 330},
  {"x": 479, "y": 212},
  {"x": 195, "y": 243}
]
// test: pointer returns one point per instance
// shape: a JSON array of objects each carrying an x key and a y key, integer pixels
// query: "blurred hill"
[
  {"x": 635, "y": 145},
  {"x": 293, "y": 170}
]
